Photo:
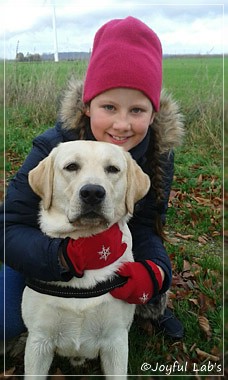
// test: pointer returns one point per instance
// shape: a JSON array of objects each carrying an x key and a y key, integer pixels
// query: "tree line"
[{"x": 20, "y": 57}]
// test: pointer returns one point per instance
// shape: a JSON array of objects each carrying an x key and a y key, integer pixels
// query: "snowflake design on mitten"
[
  {"x": 144, "y": 298},
  {"x": 104, "y": 253}
]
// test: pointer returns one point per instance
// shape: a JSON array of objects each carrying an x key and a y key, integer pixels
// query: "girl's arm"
[
  {"x": 147, "y": 244},
  {"x": 23, "y": 246}
]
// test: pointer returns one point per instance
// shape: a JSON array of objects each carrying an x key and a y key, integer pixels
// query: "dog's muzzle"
[{"x": 92, "y": 198}]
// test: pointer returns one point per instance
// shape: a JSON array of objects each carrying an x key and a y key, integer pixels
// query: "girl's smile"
[{"x": 120, "y": 116}]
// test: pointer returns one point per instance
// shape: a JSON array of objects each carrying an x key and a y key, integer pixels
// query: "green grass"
[
  {"x": 33, "y": 93},
  {"x": 197, "y": 83},
  {"x": 188, "y": 76}
]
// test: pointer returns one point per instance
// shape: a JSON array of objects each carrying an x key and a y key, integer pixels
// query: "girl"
[{"x": 119, "y": 103}]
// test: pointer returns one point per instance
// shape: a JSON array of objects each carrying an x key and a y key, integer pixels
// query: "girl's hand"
[
  {"x": 144, "y": 280},
  {"x": 93, "y": 252}
]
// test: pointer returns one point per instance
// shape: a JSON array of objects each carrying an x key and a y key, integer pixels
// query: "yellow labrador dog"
[{"x": 82, "y": 327}]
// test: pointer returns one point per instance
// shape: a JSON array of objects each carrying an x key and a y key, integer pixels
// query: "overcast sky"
[{"x": 199, "y": 27}]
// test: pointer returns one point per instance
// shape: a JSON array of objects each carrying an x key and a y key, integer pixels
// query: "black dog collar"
[{"x": 52, "y": 289}]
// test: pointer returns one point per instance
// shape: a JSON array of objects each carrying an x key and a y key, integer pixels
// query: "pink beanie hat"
[{"x": 126, "y": 53}]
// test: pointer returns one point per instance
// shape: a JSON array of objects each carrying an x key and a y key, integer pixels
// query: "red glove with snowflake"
[
  {"x": 93, "y": 252},
  {"x": 144, "y": 281}
]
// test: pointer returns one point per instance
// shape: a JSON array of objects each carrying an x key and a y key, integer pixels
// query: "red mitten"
[
  {"x": 93, "y": 252},
  {"x": 143, "y": 279}
]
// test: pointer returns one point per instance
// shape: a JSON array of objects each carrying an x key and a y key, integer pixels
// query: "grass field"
[{"x": 194, "y": 220}]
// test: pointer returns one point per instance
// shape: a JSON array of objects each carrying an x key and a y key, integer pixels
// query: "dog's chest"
[
  {"x": 79, "y": 334},
  {"x": 76, "y": 328}
]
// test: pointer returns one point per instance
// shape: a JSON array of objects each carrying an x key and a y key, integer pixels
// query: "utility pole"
[{"x": 56, "y": 55}]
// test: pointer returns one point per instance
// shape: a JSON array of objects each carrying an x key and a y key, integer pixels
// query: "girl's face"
[{"x": 120, "y": 116}]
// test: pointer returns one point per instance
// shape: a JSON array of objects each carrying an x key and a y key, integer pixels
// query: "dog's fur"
[{"x": 85, "y": 327}]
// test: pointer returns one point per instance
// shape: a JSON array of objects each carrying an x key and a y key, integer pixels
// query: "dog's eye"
[
  {"x": 112, "y": 169},
  {"x": 73, "y": 167}
]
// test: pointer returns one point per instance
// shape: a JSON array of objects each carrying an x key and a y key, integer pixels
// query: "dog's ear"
[
  {"x": 138, "y": 183},
  {"x": 41, "y": 180}
]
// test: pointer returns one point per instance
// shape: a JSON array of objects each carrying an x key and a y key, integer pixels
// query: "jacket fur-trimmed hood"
[{"x": 168, "y": 122}]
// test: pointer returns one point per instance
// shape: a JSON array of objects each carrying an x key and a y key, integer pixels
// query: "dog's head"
[{"x": 88, "y": 183}]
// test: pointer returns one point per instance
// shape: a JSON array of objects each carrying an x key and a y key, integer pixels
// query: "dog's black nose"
[{"x": 92, "y": 194}]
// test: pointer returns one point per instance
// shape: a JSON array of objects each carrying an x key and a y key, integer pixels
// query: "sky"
[{"x": 184, "y": 27}]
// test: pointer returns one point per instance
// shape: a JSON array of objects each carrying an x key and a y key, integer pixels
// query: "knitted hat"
[{"x": 126, "y": 53}]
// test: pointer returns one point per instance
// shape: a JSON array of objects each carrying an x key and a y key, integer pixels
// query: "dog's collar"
[{"x": 52, "y": 289}]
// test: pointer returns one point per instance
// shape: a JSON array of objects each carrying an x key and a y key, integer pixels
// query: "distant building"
[{"x": 66, "y": 56}]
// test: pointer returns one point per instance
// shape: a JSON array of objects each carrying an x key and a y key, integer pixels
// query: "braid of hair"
[{"x": 156, "y": 173}]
